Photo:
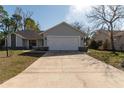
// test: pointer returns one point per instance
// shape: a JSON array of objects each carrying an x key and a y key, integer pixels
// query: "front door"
[{"x": 32, "y": 43}]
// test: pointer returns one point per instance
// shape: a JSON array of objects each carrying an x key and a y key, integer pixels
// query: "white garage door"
[{"x": 63, "y": 42}]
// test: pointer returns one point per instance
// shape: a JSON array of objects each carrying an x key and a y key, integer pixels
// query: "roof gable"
[{"x": 63, "y": 28}]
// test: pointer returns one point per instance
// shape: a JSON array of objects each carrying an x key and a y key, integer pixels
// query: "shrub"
[
  {"x": 2, "y": 43},
  {"x": 94, "y": 44},
  {"x": 41, "y": 48}
]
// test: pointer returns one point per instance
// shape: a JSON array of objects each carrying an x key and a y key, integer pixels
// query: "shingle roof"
[
  {"x": 29, "y": 34},
  {"x": 115, "y": 33},
  {"x": 118, "y": 33}
]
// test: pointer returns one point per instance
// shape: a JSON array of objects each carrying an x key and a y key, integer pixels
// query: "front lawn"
[
  {"x": 17, "y": 61},
  {"x": 108, "y": 57}
]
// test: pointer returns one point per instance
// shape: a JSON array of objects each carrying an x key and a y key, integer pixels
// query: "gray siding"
[
  {"x": 9, "y": 40},
  {"x": 64, "y": 29},
  {"x": 119, "y": 43},
  {"x": 25, "y": 43},
  {"x": 19, "y": 41}
]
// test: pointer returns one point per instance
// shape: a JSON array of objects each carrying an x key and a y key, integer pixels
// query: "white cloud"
[{"x": 77, "y": 13}]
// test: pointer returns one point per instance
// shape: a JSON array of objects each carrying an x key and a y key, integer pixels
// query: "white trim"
[
  {"x": 79, "y": 41},
  {"x": 19, "y": 36},
  {"x": 61, "y": 36}
]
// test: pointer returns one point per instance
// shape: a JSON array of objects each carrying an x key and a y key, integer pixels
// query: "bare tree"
[
  {"x": 88, "y": 34},
  {"x": 85, "y": 29},
  {"x": 18, "y": 11},
  {"x": 26, "y": 15},
  {"x": 108, "y": 17},
  {"x": 78, "y": 25}
]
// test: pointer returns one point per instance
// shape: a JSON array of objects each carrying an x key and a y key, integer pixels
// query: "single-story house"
[
  {"x": 104, "y": 36},
  {"x": 60, "y": 37}
]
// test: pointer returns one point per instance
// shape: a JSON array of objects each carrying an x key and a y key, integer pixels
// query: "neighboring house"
[
  {"x": 104, "y": 36},
  {"x": 60, "y": 37}
]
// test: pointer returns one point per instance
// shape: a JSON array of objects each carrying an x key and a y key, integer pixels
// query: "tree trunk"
[
  {"x": 112, "y": 39},
  {"x": 24, "y": 24},
  {"x": 7, "y": 54},
  {"x": 15, "y": 28},
  {"x": 112, "y": 42}
]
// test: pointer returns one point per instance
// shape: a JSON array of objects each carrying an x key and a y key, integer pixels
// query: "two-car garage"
[
  {"x": 63, "y": 42},
  {"x": 63, "y": 37}
]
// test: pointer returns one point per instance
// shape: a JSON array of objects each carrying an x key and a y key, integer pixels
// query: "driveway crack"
[{"x": 83, "y": 82}]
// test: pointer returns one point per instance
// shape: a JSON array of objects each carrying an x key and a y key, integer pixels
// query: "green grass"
[
  {"x": 17, "y": 61},
  {"x": 108, "y": 57}
]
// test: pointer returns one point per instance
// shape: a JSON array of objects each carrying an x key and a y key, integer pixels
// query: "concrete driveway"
[{"x": 65, "y": 69}]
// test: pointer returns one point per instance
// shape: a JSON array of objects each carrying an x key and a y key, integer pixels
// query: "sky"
[{"x": 50, "y": 15}]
